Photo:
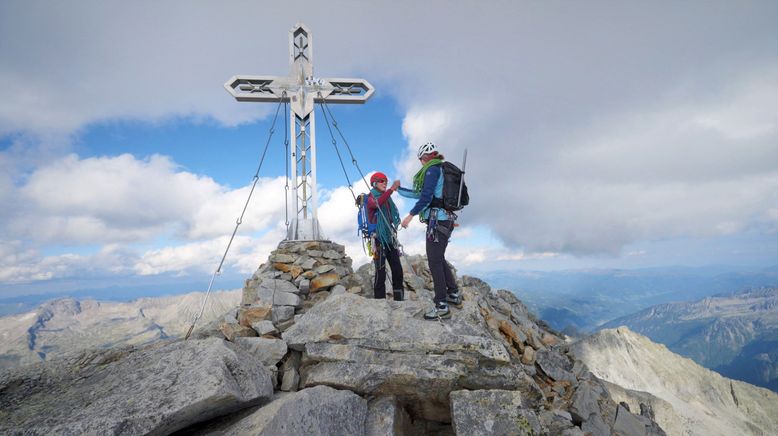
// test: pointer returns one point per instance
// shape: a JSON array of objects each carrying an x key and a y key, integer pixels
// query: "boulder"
[
  {"x": 282, "y": 258},
  {"x": 555, "y": 365},
  {"x": 386, "y": 417},
  {"x": 320, "y": 410},
  {"x": 308, "y": 264},
  {"x": 324, "y": 281},
  {"x": 282, "y": 313},
  {"x": 249, "y": 315},
  {"x": 491, "y": 412},
  {"x": 290, "y": 381},
  {"x": 528, "y": 357},
  {"x": 266, "y": 350},
  {"x": 234, "y": 331},
  {"x": 264, "y": 327},
  {"x": 381, "y": 347},
  {"x": 155, "y": 389},
  {"x": 324, "y": 269},
  {"x": 332, "y": 254}
]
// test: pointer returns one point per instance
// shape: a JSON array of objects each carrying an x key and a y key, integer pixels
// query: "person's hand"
[
  {"x": 395, "y": 185},
  {"x": 406, "y": 221}
]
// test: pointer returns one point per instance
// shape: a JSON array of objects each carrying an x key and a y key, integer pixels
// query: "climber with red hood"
[{"x": 383, "y": 213}]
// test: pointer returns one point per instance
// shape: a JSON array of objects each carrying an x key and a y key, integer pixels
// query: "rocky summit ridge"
[
  {"x": 686, "y": 398},
  {"x": 310, "y": 352}
]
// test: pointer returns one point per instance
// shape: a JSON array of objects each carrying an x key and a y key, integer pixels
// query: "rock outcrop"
[
  {"x": 156, "y": 389},
  {"x": 344, "y": 363}
]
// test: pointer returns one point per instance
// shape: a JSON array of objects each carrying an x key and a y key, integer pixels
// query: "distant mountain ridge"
[
  {"x": 686, "y": 398},
  {"x": 587, "y": 298},
  {"x": 735, "y": 333},
  {"x": 66, "y": 324}
]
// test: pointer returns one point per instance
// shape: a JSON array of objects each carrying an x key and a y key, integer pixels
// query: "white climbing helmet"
[{"x": 426, "y": 149}]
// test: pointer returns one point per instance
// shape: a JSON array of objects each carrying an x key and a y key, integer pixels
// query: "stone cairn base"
[{"x": 297, "y": 276}]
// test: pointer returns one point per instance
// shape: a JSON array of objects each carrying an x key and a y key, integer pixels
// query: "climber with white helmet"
[{"x": 428, "y": 190}]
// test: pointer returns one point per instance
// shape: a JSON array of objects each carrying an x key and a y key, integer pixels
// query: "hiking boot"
[
  {"x": 440, "y": 311},
  {"x": 399, "y": 295},
  {"x": 455, "y": 299}
]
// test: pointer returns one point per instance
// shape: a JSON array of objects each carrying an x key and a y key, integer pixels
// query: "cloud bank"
[{"x": 589, "y": 127}]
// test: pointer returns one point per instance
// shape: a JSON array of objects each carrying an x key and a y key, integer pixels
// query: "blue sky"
[{"x": 600, "y": 135}]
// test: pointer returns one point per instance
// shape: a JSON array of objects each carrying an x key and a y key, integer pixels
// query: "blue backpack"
[{"x": 365, "y": 229}]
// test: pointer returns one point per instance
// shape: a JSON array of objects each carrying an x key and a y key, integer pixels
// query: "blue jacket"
[{"x": 432, "y": 187}]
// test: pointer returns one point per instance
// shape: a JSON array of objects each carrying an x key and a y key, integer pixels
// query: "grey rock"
[
  {"x": 285, "y": 325},
  {"x": 556, "y": 421},
  {"x": 282, "y": 258},
  {"x": 282, "y": 313},
  {"x": 584, "y": 403},
  {"x": 627, "y": 423},
  {"x": 320, "y": 410},
  {"x": 490, "y": 412},
  {"x": 555, "y": 365},
  {"x": 234, "y": 331},
  {"x": 268, "y": 287},
  {"x": 324, "y": 268},
  {"x": 273, "y": 371},
  {"x": 305, "y": 286},
  {"x": 302, "y": 259},
  {"x": 332, "y": 254},
  {"x": 156, "y": 389},
  {"x": 290, "y": 381},
  {"x": 338, "y": 289},
  {"x": 264, "y": 327},
  {"x": 596, "y": 426},
  {"x": 376, "y": 346},
  {"x": 386, "y": 417},
  {"x": 230, "y": 318},
  {"x": 266, "y": 350},
  {"x": 375, "y": 322},
  {"x": 314, "y": 253},
  {"x": 308, "y": 264},
  {"x": 286, "y": 299}
]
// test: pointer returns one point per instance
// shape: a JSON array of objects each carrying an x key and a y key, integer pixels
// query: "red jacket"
[{"x": 372, "y": 209}]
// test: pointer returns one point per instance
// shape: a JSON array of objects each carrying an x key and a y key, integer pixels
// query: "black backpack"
[{"x": 453, "y": 178}]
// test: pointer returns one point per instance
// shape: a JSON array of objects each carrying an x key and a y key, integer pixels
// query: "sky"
[{"x": 600, "y": 134}]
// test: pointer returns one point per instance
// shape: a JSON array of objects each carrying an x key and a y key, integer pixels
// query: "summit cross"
[{"x": 302, "y": 90}]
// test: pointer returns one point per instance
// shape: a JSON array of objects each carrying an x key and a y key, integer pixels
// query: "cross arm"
[
  {"x": 258, "y": 88},
  {"x": 344, "y": 90}
]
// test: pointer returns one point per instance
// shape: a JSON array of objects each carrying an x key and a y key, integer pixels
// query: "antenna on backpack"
[{"x": 462, "y": 180}]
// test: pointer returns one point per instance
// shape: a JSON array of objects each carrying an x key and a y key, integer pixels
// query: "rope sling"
[{"x": 327, "y": 115}]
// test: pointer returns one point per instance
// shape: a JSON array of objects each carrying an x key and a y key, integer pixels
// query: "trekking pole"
[{"x": 462, "y": 180}]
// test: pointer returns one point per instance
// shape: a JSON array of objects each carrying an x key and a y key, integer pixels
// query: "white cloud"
[
  {"x": 589, "y": 126},
  {"x": 19, "y": 264},
  {"x": 125, "y": 199}
]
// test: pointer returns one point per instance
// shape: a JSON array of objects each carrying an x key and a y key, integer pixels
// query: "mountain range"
[
  {"x": 735, "y": 334},
  {"x": 66, "y": 325},
  {"x": 583, "y": 300}
]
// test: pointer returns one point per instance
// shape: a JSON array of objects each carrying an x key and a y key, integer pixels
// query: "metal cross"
[{"x": 302, "y": 90}]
